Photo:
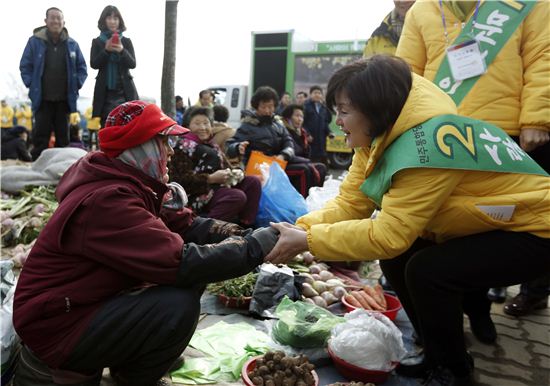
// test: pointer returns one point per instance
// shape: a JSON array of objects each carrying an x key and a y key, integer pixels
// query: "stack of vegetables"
[{"x": 22, "y": 218}]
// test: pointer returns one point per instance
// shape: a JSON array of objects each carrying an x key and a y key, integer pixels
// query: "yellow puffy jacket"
[
  {"x": 438, "y": 204},
  {"x": 7, "y": 117},
  {"x": 24, "y": 116},
  {"x": 383, "y": 40},
  {"x": 515, "y": 92}
]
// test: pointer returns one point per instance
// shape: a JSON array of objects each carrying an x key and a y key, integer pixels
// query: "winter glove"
[{"x": 233, "y": 257}]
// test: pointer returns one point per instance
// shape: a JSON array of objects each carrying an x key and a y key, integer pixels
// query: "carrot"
[
  {"x": 371, "y": 301},
  {"x": 375, "y": 295},
  {"x": 361, "y": 300},
  {"x": 380, "y": 291},
  {"x": 351, "y": 300}
]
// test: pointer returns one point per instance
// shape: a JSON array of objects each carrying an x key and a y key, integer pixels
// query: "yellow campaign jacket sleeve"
[
  {"x": 412, "y": 47},
  {"x": 350, "y": 203},
  {"x": 535, "y": 94},
  {"x": 413, "y": 199}
]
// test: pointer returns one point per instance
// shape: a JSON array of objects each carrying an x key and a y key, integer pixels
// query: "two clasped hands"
[{"x": 292, "y": 241}]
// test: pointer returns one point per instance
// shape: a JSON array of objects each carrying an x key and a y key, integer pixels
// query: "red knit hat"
[{"x": 133, "y": 123}]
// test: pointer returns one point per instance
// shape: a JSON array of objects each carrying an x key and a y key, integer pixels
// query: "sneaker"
[
  {"x": 522, "y": 305},
  {"x": 483, "y": 328},
  {"x": 497, "y": 295}
]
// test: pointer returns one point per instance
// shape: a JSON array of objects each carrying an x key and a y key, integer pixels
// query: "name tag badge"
[{"x": 465, "y": 60}]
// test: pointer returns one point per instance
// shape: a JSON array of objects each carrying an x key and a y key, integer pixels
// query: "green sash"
[
  {"x": 496, "y": 22},
  {"x": 449, "y": 142}
]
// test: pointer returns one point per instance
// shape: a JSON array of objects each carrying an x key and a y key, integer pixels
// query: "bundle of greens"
[{"x": 238, "y": 287}]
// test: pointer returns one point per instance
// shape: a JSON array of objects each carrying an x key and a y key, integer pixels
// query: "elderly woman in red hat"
[{"x": 110, "y": 281}]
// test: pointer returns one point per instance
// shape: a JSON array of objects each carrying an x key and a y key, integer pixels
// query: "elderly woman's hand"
[
  {"x": 292, "y": 241},
  {"x": 218, "y": 177}
]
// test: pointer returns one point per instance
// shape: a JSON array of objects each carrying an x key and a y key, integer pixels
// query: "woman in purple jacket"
[{"x": 110, "y": 281}]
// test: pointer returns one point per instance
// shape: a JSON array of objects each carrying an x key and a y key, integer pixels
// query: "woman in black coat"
[{"x": 113, "y": 55}]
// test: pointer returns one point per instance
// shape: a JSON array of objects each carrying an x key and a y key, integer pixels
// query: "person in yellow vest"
[
  {"x": 384, "y": 39},
  {"x": 458, "y": 203},
  {"x": 23, "y": 114},
  {"x": 7, "y": 115},
  {"x": 506, "y": 82}
]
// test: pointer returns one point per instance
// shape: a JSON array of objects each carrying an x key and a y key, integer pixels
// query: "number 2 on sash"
[{"x": 465, "y": 139}]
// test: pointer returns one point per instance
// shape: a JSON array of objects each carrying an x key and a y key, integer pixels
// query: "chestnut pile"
[{"x": 277, "y": 369}]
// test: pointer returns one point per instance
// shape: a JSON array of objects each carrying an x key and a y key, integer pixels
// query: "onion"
[
  {"x": 314, "y": 269},
  {"x": 329, "y": 297},
  {"x": 308, "y": 257},
  {"x": 339, "y": 292},
  {"x": 39, "y": 209},
  {"x": 326, "y": 275},
  {"x": 316, "y": 276},
  {"x": 309, "y": 291},
  {"x": 319, "y": 301},
  {"x": 8, "y": 222},
  {"x": 319, "y": 286}
]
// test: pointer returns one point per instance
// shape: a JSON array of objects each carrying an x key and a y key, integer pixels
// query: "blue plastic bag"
[{"x": 279, "y": 201}]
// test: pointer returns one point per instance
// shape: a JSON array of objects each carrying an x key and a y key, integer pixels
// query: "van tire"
[{"x": 340, "y": 160}]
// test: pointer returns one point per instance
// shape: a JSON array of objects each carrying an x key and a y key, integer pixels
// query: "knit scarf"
[{"x": 112, "y": 64}]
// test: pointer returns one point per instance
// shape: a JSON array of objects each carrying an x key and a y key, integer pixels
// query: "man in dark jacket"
[
  {"x": 54, "y": 69},
  {"x": 110, "y": 281},
  {"x": 317, "y": 118},
  {"x": 14, "y": 144}
]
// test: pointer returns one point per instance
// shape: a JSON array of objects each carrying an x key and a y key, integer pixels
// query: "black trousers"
[
  {"x": 138, "y": 335},
  {"x": 433, "y": 281},
  {"x": 50, "y": 117},
  {"x": 538, "y": 288}
]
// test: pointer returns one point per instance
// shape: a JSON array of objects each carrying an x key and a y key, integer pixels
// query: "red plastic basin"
[
  {"x": 355, "y": 373},
  {"x": 393, "y": 303}
]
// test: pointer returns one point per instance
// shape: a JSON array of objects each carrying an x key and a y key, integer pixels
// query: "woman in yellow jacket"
[
  {"x": 461, "y": 206},
  {"x": 513, "y": 93}
]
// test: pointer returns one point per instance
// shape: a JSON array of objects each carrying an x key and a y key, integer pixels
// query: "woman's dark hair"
[
  {"x": 378, "y": 87},
  {"x": 221, "y": 113},
  {"x": 193, "y": 111},
  {"x": 264, "y": 94},
  {"x": 289, "y": 110},
  {"x": 108, "y": 11}
]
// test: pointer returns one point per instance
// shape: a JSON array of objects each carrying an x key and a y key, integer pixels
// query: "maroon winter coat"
[{"x": 107, "y": 236}]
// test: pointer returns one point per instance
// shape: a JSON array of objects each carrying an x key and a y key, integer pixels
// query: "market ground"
[{"x": 520, "y": 356}]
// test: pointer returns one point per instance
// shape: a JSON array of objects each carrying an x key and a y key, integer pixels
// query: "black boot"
[
  {"x": 443, "y": 376},
  {"x": 459, "y": 375},
  {"x": 483, "y": 328}
]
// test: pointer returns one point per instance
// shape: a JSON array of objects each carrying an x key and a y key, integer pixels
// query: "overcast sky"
[{"x": 213, "y": 36}]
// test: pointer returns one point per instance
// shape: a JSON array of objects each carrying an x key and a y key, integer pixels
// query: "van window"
[
  {"x": 235, "y": 97},
  {"x": 219, "y": 95}
]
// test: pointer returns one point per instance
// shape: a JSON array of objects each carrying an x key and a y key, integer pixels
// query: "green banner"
[
  {"x": 449, "y": 142},
  {"x": 496, "y": 22}
]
